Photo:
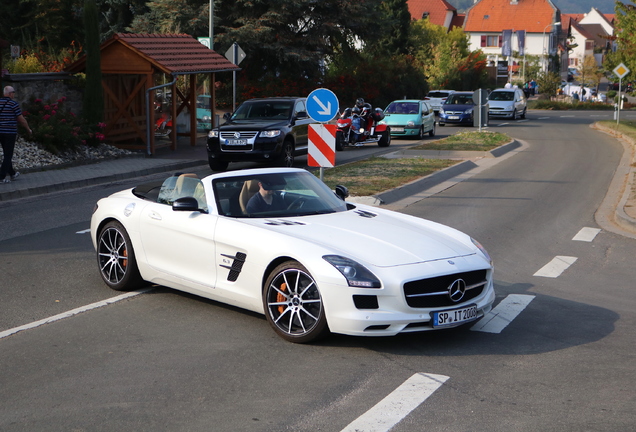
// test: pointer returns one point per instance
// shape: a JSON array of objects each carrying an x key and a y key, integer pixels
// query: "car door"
[
  {"x": 301, "y": 126},
  {"x": 428, "y": 116}
]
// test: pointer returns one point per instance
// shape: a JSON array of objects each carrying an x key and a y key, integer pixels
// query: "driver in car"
[{"x": 265, "y": 200}]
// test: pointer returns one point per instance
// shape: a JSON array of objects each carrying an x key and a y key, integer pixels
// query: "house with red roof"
[
  {"x": 531, "y": 27},
  {"x": 438, "y": 12},
  {"x": 590, "y": 34}
]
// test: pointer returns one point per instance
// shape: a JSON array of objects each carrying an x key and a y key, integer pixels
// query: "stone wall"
[{"x": 49, "y": 87}]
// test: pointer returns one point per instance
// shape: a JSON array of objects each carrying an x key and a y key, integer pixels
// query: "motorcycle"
[
  {"x": 163, "y": 125},
  {"x": 357, "y": 127}
]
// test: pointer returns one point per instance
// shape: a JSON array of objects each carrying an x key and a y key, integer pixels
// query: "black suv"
[{"x": 272, "y": 130}]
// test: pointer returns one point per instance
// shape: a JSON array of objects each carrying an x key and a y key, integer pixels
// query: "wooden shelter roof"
[{"x": 174, "y": 54}]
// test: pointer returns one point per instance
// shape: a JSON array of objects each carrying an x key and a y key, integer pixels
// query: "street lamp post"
[{"x": 544, "y": 44}]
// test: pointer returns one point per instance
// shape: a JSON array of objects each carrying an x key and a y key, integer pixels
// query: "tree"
[
  {"x": 548, "y": 83},
  {"x": 625, "y": 38},
  {"x": 590, "y": 72},
  {"x": 93, "y": 107}
]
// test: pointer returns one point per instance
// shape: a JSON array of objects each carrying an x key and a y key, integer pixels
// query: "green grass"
[
  {"x": 467, "y": 141},
  {"x": 377, "y": 174}
]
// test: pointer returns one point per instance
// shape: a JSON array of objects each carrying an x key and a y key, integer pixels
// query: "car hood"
[
  {"x": 400, "y": 118},
  {"x": 500, "y": 104},
  {"x": 379, "y": 238},
  {"x": 239, "y": 125},
  {"x": 456, "y": 107}
]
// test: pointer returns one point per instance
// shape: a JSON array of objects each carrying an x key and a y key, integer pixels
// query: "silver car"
[{"x": 507, "y": 103}]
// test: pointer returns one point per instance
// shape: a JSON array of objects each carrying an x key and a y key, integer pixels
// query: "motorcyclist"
[{"x": 364, "y": 113}]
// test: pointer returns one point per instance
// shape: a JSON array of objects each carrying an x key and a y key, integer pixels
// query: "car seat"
[{"x": 250, "y": 188}]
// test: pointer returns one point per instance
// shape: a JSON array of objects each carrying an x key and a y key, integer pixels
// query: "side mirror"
[
  {"x": 342, "y": 192},
  {"x": 185, "y": 204},
  {"x": 301, "y": 114},
  {"x": 227, "y": 116}
]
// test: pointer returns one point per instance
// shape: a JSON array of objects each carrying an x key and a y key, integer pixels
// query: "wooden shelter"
[{"x": 130, "y": 65}]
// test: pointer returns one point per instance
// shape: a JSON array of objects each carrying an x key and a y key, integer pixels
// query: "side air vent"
[
  {"x": 237, "y": 265},
  {"x": 283, "y": 222},
  {"x": 365, "y": 214}
]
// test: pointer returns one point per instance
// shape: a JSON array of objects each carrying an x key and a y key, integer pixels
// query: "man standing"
[{"x": 10, "y": 116}]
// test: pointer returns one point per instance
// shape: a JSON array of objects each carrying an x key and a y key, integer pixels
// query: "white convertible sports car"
[{"x": 310, "y": 261}]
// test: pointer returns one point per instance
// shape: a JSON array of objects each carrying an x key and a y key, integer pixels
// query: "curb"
[
  {"x": 92, "y": 181},
  {"x": 621, "y": 218},
  {"x": 401, "y": 192}
]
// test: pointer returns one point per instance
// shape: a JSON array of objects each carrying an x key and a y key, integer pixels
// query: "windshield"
[
  {"x": 264, "y": 110},
  {"x": 402, "y": 108},
  {"x": 269, "y": 195},
  {"x": 459, "y": 99},
  {"x": 438, "y": 94},
  {"x": 502, "y": 96}
]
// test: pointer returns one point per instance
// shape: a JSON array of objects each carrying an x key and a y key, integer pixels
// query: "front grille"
[
  {"x": 247, "y": 147},
  {"x": 243, "y": 135},
  {"x": 454, "y": 112},
  {"x": 433, "y": 292}
]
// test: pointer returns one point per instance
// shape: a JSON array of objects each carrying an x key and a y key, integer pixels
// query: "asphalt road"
[{"x": 166, "y": 361}]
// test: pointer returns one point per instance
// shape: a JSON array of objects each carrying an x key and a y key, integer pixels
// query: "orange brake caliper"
[{"x": 281, "y": 298}]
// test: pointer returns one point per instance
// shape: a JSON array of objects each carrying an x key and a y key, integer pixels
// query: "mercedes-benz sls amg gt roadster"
[{"x": 279, "y": 242}]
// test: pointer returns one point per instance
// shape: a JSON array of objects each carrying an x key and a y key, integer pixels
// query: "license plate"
[
  {"x": 236, "y": 142},
  {"x": 453, "y": 117},
  {"x": 455, "y": 316},
  {"x": 397, "y": 129}
]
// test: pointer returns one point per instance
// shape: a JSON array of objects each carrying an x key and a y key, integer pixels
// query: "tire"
[
  {"x": 442, "y": 124},
  {"x": 431, "y": 133},
  {"x": 217, "y": 165},
  {"x": 339, "y": 140},
  {"x": 385, "y": 138},
  {"x": 514, "y": 114},
  {"x": 293, "y": 305},
  {"x": 523, "y": 114},
  {"x": 116, "y": 258},
  {"x": 421, "y": 133},
  {"x": 286, "y": 158}
]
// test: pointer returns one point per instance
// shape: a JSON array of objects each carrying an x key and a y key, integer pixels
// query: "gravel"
[{"x": 28, "y": 156}]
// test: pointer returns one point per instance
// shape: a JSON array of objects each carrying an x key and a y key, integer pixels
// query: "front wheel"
[
  {"x": 116, "y": 258},
  {"x": 385, "y": 138},
  {"x": 431, "y": 133},
  {"x": 339, "y": 140},
  {"x": 286, "y": 158},
  {"x": 293, "y": 305},
  {"x": 420, "y": 134}
]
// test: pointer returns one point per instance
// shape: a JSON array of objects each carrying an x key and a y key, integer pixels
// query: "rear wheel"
[
  {"x": 385, "y": 138},
  {"x": 217, "y": 165},
  {"x": 116, "y": 258},
  {"x": 287, "y": 155},
  {"x": 293, "y": 305}
]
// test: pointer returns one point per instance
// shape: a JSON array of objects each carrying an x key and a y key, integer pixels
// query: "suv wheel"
[
  {"x": 217, "y": 165},
  {"x": 287, "y": 155}
]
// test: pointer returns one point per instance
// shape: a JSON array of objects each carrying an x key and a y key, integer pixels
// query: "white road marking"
[
  {"x": 521, "y": 121},
  {"x": 543, "y": 118},
  {"x": 397, "y": 405},
  {"x": 566, "y": 116},
  {"x": 586, "y": 234},
  {"x": 503, "y": 124},
  {"x": 84, "y": 231},
  {"x": 498, "y": 319},
  {"x": 555, "y": 267},
  {"x": 71, "y": 313}
]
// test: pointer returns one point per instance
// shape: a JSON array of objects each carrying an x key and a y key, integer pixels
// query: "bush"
[
  {"x": 556, "y": 105},
  {"x": 611, "y": 94},
  {"x": 57, "y": 129}
]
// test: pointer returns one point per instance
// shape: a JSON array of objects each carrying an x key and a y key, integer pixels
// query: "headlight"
[
  {"x": 468, "y": 111},
  {"x": 441, "y": 110},
  {"x": 206, "y": 118},
  {"x": 481, "y": 248},
  {"x": 410, "y": 124},
  {"x": 356, "y": 274},
  {"x": 214, "y": 133},
  {"x": 270, "y": 133}
]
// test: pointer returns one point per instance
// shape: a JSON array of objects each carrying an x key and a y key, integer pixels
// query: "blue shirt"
[{"x": 9, "y": 112}]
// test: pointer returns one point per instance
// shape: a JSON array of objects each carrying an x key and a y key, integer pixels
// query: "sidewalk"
[{"x": 54, "y": 180}]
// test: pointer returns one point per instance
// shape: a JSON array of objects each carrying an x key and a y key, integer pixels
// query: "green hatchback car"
[{"x": 410, "y": 118}]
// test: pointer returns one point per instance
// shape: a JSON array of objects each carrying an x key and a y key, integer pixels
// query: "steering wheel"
[{"x": 297, "y": 204}]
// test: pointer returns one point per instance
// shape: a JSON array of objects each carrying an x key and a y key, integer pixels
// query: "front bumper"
[
  {"x": 455, "y": 118},
  {"x": 501, "y": 113},
  {"x": 256, "y": 150},
  {"x": 398, "y": 130}
]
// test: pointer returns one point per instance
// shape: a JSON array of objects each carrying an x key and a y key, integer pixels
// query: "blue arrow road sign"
[{"x": 322, "y": 105}]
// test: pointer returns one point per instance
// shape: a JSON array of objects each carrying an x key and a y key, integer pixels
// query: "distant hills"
[{"x": 566, "y": 6}]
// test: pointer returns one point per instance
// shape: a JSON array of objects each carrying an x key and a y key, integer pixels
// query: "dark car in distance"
[
  {"x": 268, "y": 130},
  {"x": 457, "y": 108}
]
